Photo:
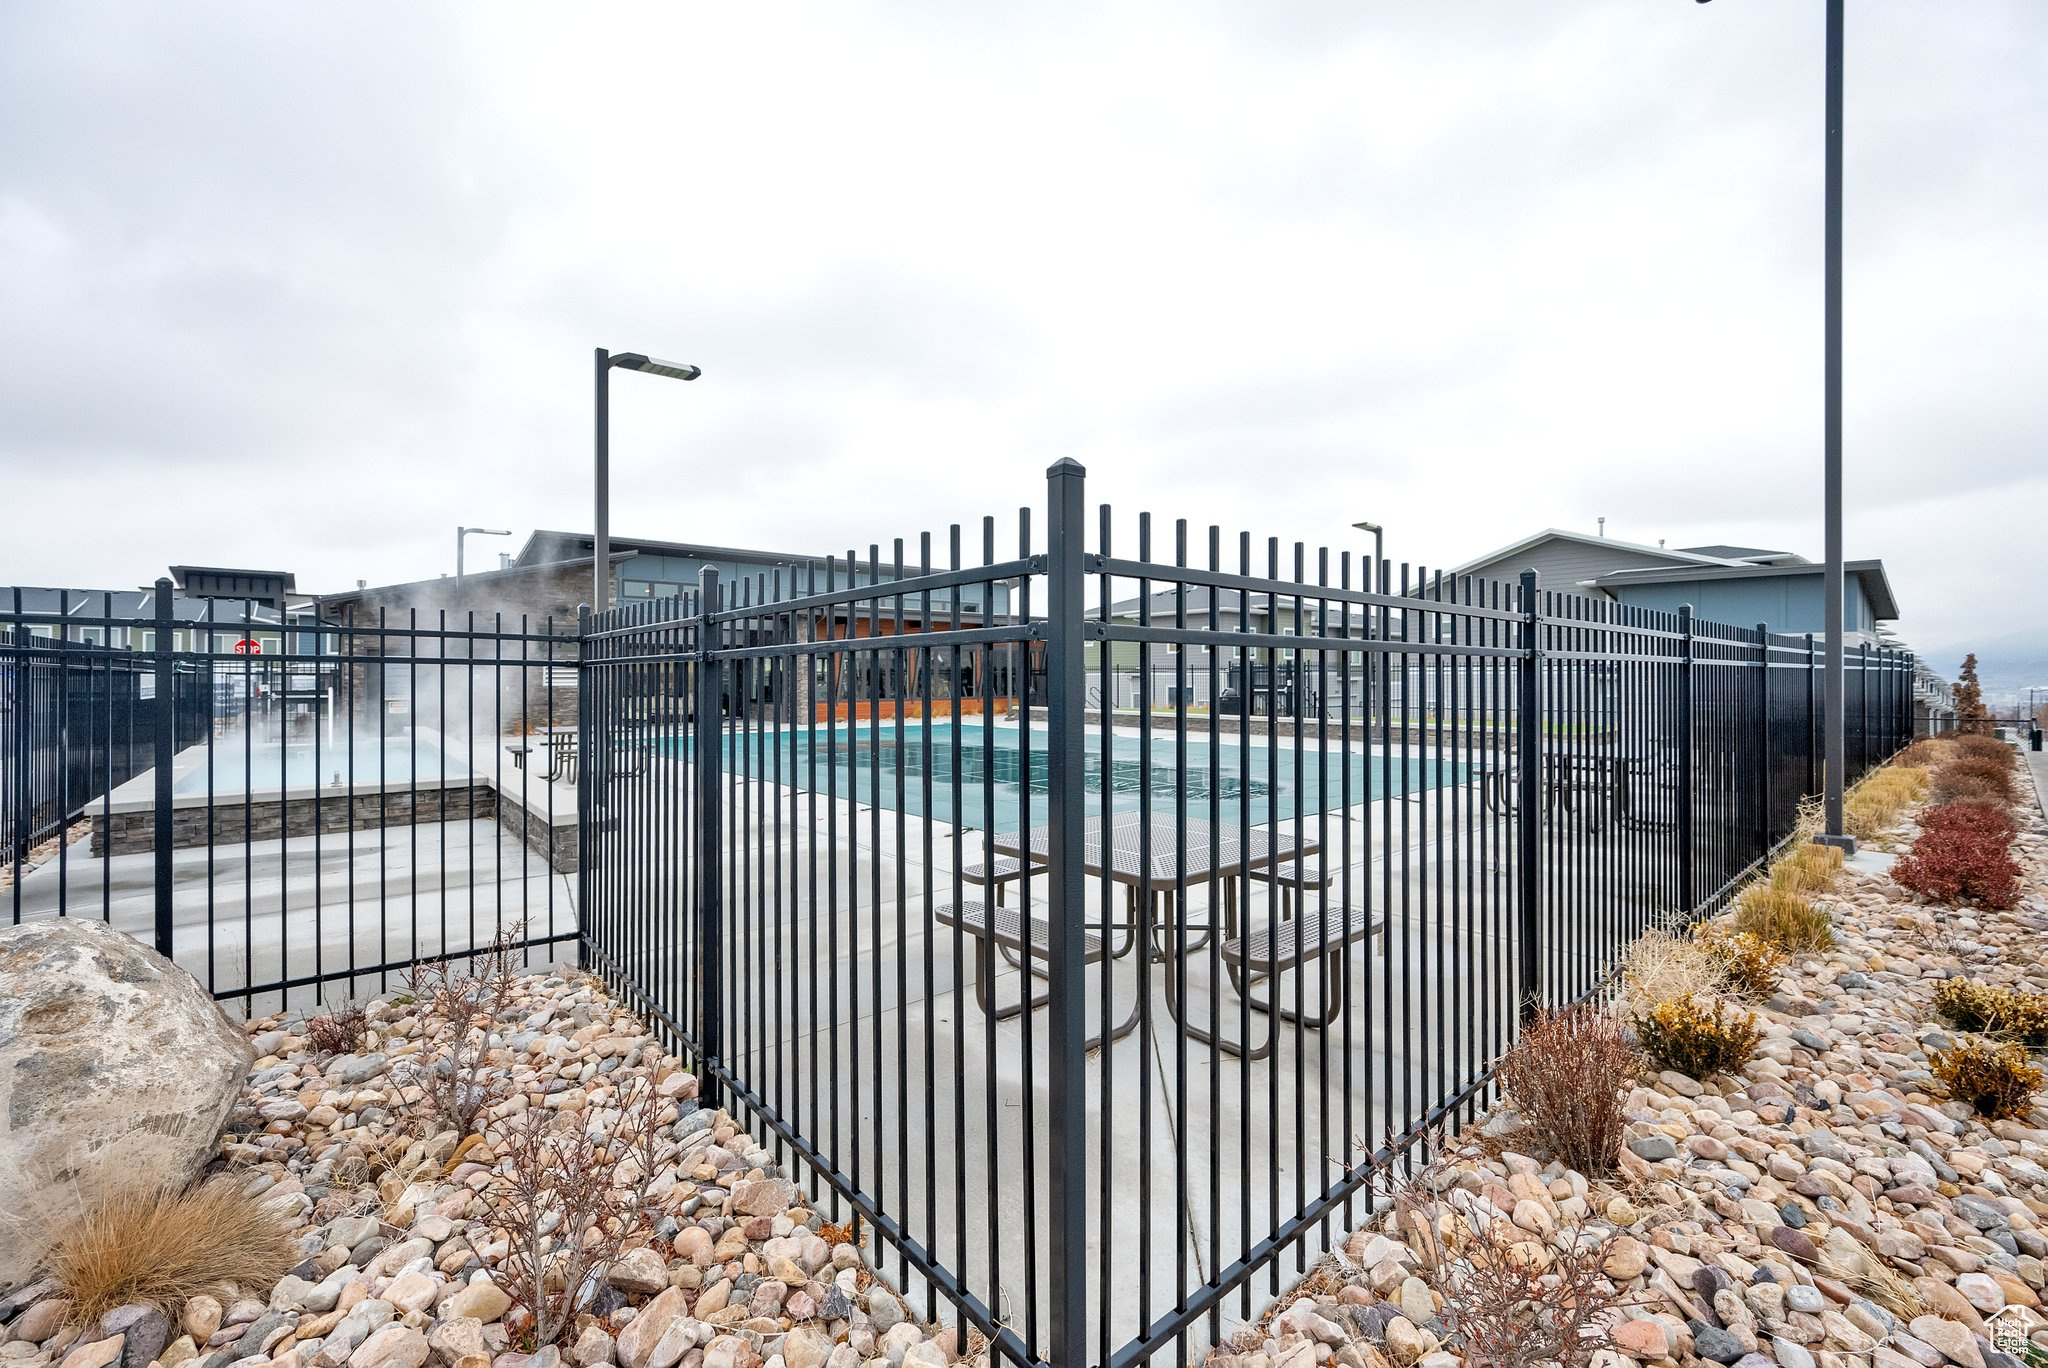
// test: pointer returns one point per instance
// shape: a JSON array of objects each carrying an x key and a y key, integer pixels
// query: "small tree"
[{"x": 1971, "y": 714}]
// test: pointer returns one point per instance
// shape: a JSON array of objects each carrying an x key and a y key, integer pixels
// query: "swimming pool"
[
  {"x": 394, "y": 764},
  {"x": 861, "y": 761}
]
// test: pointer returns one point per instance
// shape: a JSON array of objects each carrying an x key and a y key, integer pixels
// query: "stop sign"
[{"x": 248, "y": 646}]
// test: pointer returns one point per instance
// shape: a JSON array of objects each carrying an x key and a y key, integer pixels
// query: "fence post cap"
[{"x": 1065, "y": 465}]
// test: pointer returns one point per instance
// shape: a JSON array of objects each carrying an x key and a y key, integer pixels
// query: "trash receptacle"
[{"x": 2034, "y": 739}]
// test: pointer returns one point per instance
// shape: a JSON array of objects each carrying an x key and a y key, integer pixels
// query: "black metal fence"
[
  {"x": 1100, "y": 1008},
  {"x": 295, "y": 808},
  {"x": 1097, "y": 1002},
  {"x": 76, "y": 722}
]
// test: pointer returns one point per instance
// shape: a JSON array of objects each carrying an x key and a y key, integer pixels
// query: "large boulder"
[{"x": 116, "y": 1068}]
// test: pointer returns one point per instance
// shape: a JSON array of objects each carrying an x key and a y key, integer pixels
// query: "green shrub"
[
  {"x": 1998, "y": 1081},
  {"x": 1751, "y": 963},
  {"x": 2009, "y": 1013},
  {"x": 1698, "y": 1039}
]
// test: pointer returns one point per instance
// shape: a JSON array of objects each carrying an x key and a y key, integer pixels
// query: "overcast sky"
[{"x": 306, "y": 286}]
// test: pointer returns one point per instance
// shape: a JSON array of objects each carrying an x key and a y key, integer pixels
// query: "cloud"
[{"x": 310, "y": 287}]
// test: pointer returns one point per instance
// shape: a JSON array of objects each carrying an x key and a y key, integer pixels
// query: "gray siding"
[
  {"x": 1565, "y": 566},
  {"x": 1790, "y": 604}
]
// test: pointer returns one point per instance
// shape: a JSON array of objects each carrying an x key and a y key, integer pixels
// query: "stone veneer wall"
[
  {"x": 134, "y": 833},
  {"x": 554, "y": 841}
]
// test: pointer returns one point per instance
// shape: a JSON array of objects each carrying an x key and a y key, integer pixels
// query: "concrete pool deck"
[{"x": 889, "y": 1067}]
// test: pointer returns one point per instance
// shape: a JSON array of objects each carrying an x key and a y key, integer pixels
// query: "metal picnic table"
[
  {"x": 1168, "y": 855},
  {"x": 1181, "y": 853}
]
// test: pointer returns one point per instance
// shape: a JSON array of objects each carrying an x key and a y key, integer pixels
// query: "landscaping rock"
[{"x": 116, "y": 1068}]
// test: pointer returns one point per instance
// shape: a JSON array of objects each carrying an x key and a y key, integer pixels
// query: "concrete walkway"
[{"x": 2037, "y": 762}]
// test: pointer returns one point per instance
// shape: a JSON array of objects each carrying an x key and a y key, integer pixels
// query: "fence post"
[
  {"x": 1066, "y": 685},
  {"x": 164, "y": 735},
  {"x": 1529, "y": 796},
  {"x": 586, "y": 843},
  {"x": 707, "y": 741},
  {"x": 1686, "y": 841}
]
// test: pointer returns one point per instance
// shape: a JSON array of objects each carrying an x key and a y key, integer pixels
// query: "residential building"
[{"x": 1739, "y": 585}]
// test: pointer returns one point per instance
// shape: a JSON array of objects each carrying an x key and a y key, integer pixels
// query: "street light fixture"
[
  {"x": 1835, "y": 741},
  {"x": 601, "y": 547},
  {"x": 1378, "y": 540},
  {"x": 462, "y": 532}
]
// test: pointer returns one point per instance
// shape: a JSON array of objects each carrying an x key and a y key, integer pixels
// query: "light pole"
[
  {"x": 462, "y": 532},
  {"x": 1834, "y": 743},
  {"x": 601, "y": 598},
  {"x": 1378, "y": 541},
  {"x": 1378, "y": 544}
]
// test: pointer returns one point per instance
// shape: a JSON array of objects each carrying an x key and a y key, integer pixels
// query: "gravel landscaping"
[
  {"x": 399, "y": 1266},
  {"x": 1823, "y": 1208},
  {"x": 1826, "y": 1206}
]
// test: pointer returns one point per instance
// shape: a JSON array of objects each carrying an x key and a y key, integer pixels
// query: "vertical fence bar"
[
  {"x": 1066, "y": 799},
  {"x": 1529, "y": 795},
  {"x": 1763, "y": 734},
  {"x": 165, "y": 736},
  {"x": 1812, "y": 725},
  {"x": 1687, "y": 837},
  {"x": 707, "y": 739}
]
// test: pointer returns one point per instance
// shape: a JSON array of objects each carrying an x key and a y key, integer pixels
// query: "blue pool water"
[
  {"x": 400, "y": 758},
  {"x": 862, "y": 761}
]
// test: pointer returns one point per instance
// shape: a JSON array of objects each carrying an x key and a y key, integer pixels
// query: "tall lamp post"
[
  {"x": 1372, "y": 575},
  {"x": 601, "y": 598},
  {"x": 1834, "y": 743},
  {"x": 462, "y": 532},
  {"x": 1378, "y": 542}
]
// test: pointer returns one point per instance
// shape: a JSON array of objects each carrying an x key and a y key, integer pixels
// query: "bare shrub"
[
  {"x": 162, "y": 1247},
  {"x": 457, "y": 1077},
  {"x": 1570, "y": 1075},
  {"x": 569, "y": 1196},
  {"x": 339, "y": 1030},
  {"x": 1511, "y": 1300}
]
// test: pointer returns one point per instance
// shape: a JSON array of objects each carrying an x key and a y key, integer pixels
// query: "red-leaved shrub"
[
  {"x": 1961, "y": 856},
  {"x": 1976, "y": 779},
  {"x": 1985, "y": 748},
  {"x": 1971, "y": 819}
]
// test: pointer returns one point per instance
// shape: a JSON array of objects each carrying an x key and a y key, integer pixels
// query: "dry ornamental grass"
[
  {"x": 1786, "y": 920},
  {"x": 1661, "y": 967},
  {"x": 163, "y": 1248},
  {"x": 1875, "y": 803},
  {"x": 1807, "y": 868},
  {"x": 1752, "y": 964}
]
